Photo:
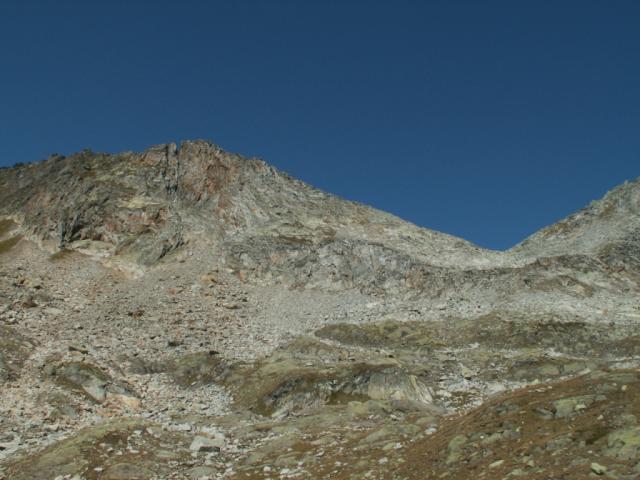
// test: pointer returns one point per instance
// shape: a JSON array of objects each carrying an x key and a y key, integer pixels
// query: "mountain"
[
  {"x": 607, "y": 229},
  {"x": 143, "y": 206},
  {"x": 185, "y": 312}
]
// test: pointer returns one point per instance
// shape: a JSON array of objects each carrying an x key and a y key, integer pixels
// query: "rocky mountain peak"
[
  {"x": 608, "y": 229},
  {"x": 140, "y": 207}
]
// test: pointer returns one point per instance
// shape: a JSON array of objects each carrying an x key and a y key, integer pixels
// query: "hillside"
[{"x": 185, "y": 312}]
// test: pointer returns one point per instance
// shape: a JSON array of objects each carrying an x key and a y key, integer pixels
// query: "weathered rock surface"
[{"x": 189, "y": 313}]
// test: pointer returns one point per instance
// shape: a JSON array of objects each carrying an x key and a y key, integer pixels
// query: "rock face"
[{"x": 189, "y": 313}]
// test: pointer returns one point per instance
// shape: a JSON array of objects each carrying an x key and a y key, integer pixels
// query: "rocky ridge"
[{"x": 188, "y": 313}]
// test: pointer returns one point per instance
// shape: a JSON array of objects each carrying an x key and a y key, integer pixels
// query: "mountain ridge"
[{"x": 155, "y": 149}]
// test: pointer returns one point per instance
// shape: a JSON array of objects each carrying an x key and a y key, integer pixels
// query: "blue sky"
[{"x": 486, "y": 120}]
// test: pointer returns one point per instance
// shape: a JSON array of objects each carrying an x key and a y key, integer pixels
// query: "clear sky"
[{"x": 483, "y": 119}]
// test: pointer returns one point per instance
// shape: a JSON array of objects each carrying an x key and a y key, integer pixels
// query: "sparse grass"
[
  {"x": 60, "y": 255},
  {"x": 9, "y": 243},
  {"x": 6, "y": 226},
  {"x": 504, "y": 435}
]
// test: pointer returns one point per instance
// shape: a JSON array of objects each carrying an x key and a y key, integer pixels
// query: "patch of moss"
[
  {"x": 14, "y": 350},
  {"x": 199, "y": 368},
  {"x": 387, "y": 333},
  {"x": 6, "y": 226},
  {"x": 624, "y": 443},
  {"x": 9, "y": 243},
  {"x": 60, "y": 255}
]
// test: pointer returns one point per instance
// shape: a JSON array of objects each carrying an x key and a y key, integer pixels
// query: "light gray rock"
[{"x": 598, "y": 469}]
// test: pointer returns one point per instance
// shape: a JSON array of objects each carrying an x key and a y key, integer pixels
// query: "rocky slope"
[{"x": 188, "y": 313}]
